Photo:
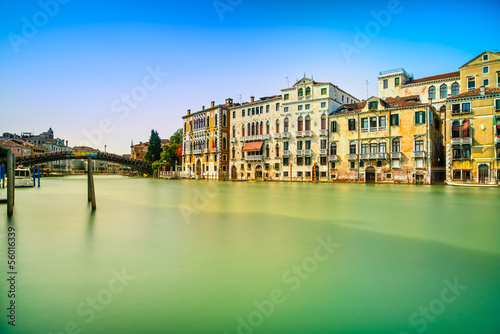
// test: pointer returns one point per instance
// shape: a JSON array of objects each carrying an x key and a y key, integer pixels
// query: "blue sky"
[{"x": 72, "y": 69}]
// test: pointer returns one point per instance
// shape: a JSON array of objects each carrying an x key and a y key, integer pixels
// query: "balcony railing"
[
  {"x": 323, "y": 132},
  {"x": 396, "y": 155},
  {"x": 308, "y": 152},
  {"x": 364, "y": 156},
  {"x": 461, "y": 112},
  {"x": 277, "y": 136},
  {"x": 253, "y": 157},
  {"x": 300, "y": 152},
  {"x": 308, "y": 97},
  {"x": 352, "y": 157},
  {"x": 419, "y": 154},
  {"x": 333, "y": 157},
  {"x": 233, "y": 140},
  {"x": 285, "y": 135},
  {"x": 299, "y": 133},
  {"x": 206, "y": 150},
  {"x": 266, "y": 137},
  {"x": 323, "y": 152},
  {"x": 286, "y": 153},
  {"x": 197, "y": 151},
  {"x": 258, "y": 137},
  {"x": 461, "y": 141},
  {"x": 381, "y": 156},
  {"x": 307, "y": 133},
  {"x": 300, "y": 98},
  {"x": 242, "y": 139}
]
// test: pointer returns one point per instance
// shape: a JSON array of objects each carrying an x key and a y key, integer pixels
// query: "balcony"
[
  {"x": 352, "y": 157},
  {"x": 396, "y": 155},
  {"x": 461, "y": 141},
  {"x": 266, "y": 137},
  {"x": 277, "y": 136},
  {"x": 419, "y": 154},
  {"x": 233, "y": 140},
  {"x": 322, "y": 152},
  {"x": 242, "y": 139},
  {"x": 308, "y": 97},
  {"x": 300, "y": 98},
  {"x": 381, "y": 156},
  {"x": 333, "y": 157},
  {"x": 285, "y": 135},
  {"x": 323, "y": 132},
  {"x": 253, "y": 158},
  {"x": 461, "y": 112},
  {"x": 299, "y": 133},
  {"x": 197, "y": 151},
  {"x": 300, "y": 152},
  {"x": 286, "y": 153},
  {"x": 205, "y": 150},
  {"x": 307, "y": 133},
  {"x": 363, "y": 156},
  {"x": 308, "y": 153},
  {"x": 259, "y": 137}
]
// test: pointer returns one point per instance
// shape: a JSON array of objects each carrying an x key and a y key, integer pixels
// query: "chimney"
[
  {"x": 482, "y": 90},
  {"x": 252, "y": 99},
  {"x": 203, "y": 108},
  {"x": 212, "y": 104},
  {"x": 189, "y": 111}
]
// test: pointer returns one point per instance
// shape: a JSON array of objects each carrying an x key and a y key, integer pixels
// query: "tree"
[
  {"x": 176, "y": 138},
  {"x": 169, "y": 153},
  {"x": 154, "y": 147},
  {"x": 3, "y": 152}
]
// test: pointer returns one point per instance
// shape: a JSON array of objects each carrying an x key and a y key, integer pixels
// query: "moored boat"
[{"x": 461, "y": 184}]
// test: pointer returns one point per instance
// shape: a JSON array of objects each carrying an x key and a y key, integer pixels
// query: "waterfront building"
[
  {"x": 18, "y": 149},
  {"x": 205, "y": 142},
  {"x": 138, "y": 151},
  {"x": 395, "y": 140},
  {"x": 255, "y": 145}
]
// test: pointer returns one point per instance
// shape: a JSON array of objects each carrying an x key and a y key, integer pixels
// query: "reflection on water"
[{"x": 203, "y": 255}]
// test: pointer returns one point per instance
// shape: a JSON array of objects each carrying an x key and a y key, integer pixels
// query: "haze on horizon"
[{"x": 124, "y": 68}]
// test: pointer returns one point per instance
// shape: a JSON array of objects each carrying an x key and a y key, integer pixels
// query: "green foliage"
[
  {"x": 176, "y": 138},
  {"x": 154, "y": 148},
  {"x": 3, "y": 152},
  {"x": 169, "y": 154}
]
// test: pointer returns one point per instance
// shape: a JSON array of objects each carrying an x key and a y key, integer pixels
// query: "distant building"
[
  {"x": 19, "y": 149},
  {"x": 138, "y": 151}
]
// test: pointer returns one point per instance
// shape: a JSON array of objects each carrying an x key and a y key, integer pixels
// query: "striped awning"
[{"x": 254, "y": 146}]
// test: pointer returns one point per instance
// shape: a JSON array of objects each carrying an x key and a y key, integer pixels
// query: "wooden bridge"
[{"x": 11, "y": 161}]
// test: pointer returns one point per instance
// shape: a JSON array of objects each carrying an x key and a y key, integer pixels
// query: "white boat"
[
  {"x": 493, "y": 184},
  {"x": 23, "y": 178}
]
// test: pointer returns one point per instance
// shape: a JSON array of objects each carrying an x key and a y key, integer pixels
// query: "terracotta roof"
[
  {"x": 477, "y": 92},
  {"x": 402, "y": 98},
  {"x": 254, "y": 146},
  {"x": 262, "y": 99},
  {"x": 389, "y": 103},
  {"x": 351, "y": 108},
  {"x": 434, "y": 77}
]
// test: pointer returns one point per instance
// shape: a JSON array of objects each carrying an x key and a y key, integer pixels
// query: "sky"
[{"x": 104, "y": 73}]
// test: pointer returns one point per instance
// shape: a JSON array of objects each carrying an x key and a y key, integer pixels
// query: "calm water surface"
[{"x": 203, "y": 258}]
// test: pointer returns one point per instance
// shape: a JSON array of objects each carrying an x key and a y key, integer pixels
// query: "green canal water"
[{"x": 196, "y": 257}]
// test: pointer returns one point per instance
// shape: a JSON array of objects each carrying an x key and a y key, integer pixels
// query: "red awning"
[{"x": 254, "y": 146}]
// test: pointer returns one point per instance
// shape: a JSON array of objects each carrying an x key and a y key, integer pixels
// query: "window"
[
  {"x": 301, "y": 92},
  {"x": 420, "y": 117},
  {"x": 352, "y": 148},
  {"x": 353, "y": 164},
  {"x": 386, "y": 83},
  {"x": 382, "y": 148},
  {"x": 285, "y": 161},
  {"x": 333, "y": 149},
  {"x": 277, "y": 151},
  {"x": 455, "y": 88},
  {"x": 224, "y": 119},
  {"x": 233, "y": 154},
  {"x": 471, "y": 83},
  {"x": 285, "y": 146},
  {"x": 396, "y": 146},
  {"x": 443, "y": 91},
  {"x": 300, "y": 124},
  {"x": 286, "y": 109},
  {"x": 308, "y": 144},
  {"x": 285, "y": 125},
  {"x": 286, "y": 97},
  {"x": 300, "y": 107},
  {"x": 243, "y": 113},
  {"x": 396, "y": 163},
  {"x": 382, "y": 121},
  {"x": 373, "y": 148},
  {"x": 299, "y": 162},
  {"x": 379, "y": 163},
  {"x": 373, "y": 105},
  {"x": 332, "y": 166},
  {"x": 268, "y": 109},
  {"x": 277, "y": 107},
  {"x": 432, "y": 92},
  {"x": 466, "y": 107},
  {"x": 395, "y": 120},
  {"x": 373, "y": 123},
  {"x": 361, "y": 164},
  {"x": 364, "y": 148},
  {"x": 333, "y": 126},
  {"x": 498, "y": 78},
  {"x": 419, "y": 163},
  {"x": 497, "y": 105},
  {"x": 308, "y": 106},
  {"x": 234, "y": 114},
  {"x": 463, "y": 174},
  {"x": 419, "y": 146},
  {"x": 299, "y": 145},
  {"x": 323, "y": 105},
  {"x": 308, "y": 123},
  {"x": 364, "y": 124},
  {"x": 308, "y": 91},
  {"x": 486, "y": 82},
  {"x": 323, "y": 91},
  {"x": 486, "y": 57},
  {"x": 277, "y": 126},
  {"x": 352, "y": 124},
  {"x": 486, "y": 69},
  {"x": 323, "y": 122},
  {"x": 396, "y": 81}
]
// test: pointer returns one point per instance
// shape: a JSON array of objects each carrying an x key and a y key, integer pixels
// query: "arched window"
[
  {"x": 308, "y": 123},
  {"x": 224, "y": 142},
  {"x": 216, "y": 118},
  {"x": 208, "y": 121},
  {"x": 243, "y": 130},
  {"x": 234, "y": 132},
  {"x": 352, "y": 147},
  {"x": 261, "y": 127},
  {"x": 267, "y": 151},
  {"x": 301, "y": 92},
  {"x": 253, "y": 129},
  {"x": 268, "y": 128},
  {"x": 455, "y": 129},
  {"x": 455, "y": 88},
  {"x": 277, "y": 126},
  {"x": 285, "y": 125},
  {"x": 443, "y": 91},
  {"x": 257, "y": 129},
  {"x": 249, "y": 129},
  {"x": 432, "y": 92},
  {"x": 224, "y": 119},
  {"x": 308, "y": 91},
  {"x": 396, "y": 146},
  {"x": 233, "y": 154},
  {"x": 300, "y": 122},
  {"x": 333, "y": 149},
  {"x": 242, "y": 152},
  {"x": 277, "y": 151},
  {"x": 442, "y": 109},
  {"x": 323, "y": 122}
]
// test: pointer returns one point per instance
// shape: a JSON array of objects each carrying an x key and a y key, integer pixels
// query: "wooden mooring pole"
[
  {"x": 91, "y": 188},
  {"x": 11, "y": 182}
]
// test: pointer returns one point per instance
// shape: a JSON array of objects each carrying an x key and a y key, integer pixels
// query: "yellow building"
[
  {"x": 205, "y": 144},
  {"x": 393, "y": 140},
  {"x": 473, "y": 136}
]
